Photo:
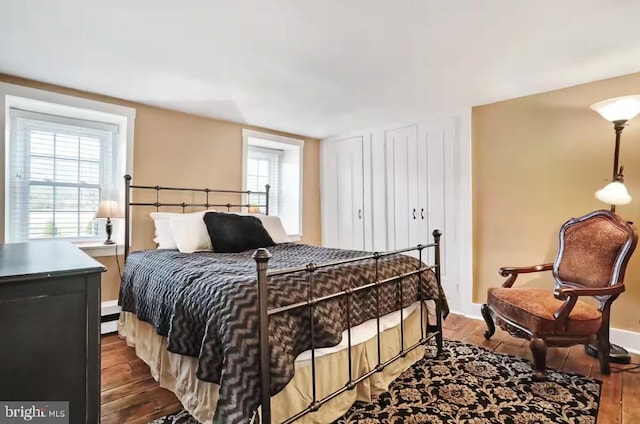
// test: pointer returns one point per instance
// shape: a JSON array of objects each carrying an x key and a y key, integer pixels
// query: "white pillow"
[
  {"x": 190, "y": 232},
  {"x": 273, "y": 225},
  {"x": 164, "y": 237}
]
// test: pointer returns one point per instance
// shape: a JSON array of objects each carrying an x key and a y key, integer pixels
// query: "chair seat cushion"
[{"x": 534, "y": 308}]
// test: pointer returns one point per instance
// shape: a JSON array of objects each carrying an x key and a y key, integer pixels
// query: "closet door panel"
[
  {"x": 422, "y": 190},
  {"x": 377, "y": 211},
  {"x": 355, "y": 163},
  {"x": 399, "y": 143},
  {"x": 343, "y": 208},
  {"x": 415, "y": 236},
  {"x": 345, "y": 202},
  {"x": 390, "y": 176},
  {"x": 330, "y": 194},
  {"x": 349, "y": 176},
  {"x": 434, "y": 188},
  {"x": 437, "y": 191}
]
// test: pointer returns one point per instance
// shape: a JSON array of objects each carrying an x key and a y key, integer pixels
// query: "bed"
[{"x": 312, "y": 328}]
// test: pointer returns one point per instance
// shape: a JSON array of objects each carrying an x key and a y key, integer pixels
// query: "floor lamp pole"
[{"x": 618, "y": 354}]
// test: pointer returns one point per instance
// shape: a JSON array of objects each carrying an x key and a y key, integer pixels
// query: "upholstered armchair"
[{"x": 592, "y": 259}]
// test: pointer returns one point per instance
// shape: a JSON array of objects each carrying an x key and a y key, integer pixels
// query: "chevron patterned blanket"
[{"x": 206, "y": 305}]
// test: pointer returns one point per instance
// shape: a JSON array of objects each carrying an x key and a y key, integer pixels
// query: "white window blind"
[
  {"x": 277, "y": 161},
  {"x": 59, "y": 170},
  {"x": 263, "y": 167}
]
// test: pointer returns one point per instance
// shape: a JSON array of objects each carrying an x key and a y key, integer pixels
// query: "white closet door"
[
  {"x": 422, "y": 192},
  {"x": 329, "y": 192},
  {"x": 400, "y": 147},
  {"x": 343, "y": 198},
  {"x": 404, "y": 169},
  {"x": 436, "y": 182}
]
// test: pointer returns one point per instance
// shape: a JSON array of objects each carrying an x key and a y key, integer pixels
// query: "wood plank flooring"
[{"x": 131, "y": 395}]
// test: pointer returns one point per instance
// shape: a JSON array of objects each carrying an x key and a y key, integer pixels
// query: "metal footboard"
[{"x": 262, "y": 257}]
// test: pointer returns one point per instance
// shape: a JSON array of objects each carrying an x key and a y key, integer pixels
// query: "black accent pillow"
[{"x": 230, "y": 233}]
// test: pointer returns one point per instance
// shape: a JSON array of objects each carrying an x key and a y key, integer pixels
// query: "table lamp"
[{"x": 109, "y": 209}]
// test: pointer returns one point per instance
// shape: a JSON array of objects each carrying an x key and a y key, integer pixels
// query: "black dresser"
[{"x": 50, "y": 327}]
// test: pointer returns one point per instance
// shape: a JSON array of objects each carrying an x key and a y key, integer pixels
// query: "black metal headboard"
[{"x": 264, "y": 206}]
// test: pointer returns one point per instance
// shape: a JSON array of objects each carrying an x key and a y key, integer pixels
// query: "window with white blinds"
[
  {"x": 277, "y": 161},
  {"x": 59, "y": 170},
  {"x": 263, "y": 167}
]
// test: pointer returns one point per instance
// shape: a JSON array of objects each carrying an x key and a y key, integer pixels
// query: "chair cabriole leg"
[
  {"x": 539, "y": 351},
  {"x": 491, "y": 327}
]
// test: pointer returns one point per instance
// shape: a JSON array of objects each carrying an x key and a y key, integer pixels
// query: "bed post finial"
[{"x": 262, "y": 256}]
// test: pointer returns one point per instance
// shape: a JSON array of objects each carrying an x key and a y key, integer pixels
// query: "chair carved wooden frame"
[{"x": 592, "y": 259}]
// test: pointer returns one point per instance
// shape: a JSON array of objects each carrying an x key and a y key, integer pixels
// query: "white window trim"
[
  {"x": 246, "y": 134},
  {"x": 22, "y": 97}
]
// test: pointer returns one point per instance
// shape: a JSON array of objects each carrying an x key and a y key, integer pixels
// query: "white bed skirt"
[{"x": 178, "y": 373}]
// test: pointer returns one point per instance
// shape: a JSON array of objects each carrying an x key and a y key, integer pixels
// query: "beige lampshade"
[
  {"x": 109, "y": 209},
  {"x": 618, "y": 108},
  {"x": 614, "y": 193}
]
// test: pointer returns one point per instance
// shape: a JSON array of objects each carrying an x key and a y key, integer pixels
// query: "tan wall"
[
  {"x": 537, "y": 162},
  {"x": 177, "y": 149},
  {"x": 111, "y": 278}
]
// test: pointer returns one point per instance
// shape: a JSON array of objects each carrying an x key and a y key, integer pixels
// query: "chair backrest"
[{"x": 594, "y": 250}]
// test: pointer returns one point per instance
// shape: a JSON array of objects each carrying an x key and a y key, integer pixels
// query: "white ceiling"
[{"x": 318, "y": 67}]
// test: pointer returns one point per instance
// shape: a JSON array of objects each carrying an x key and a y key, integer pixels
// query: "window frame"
[
  {"x": 276, "y": 142},
  {"x": 63, "y": 105},
  {"x": 33, "y": 124}
]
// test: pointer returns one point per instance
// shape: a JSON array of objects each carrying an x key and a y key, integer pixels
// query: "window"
[
  {"x": 61, "y": 161},
  {"x": 59, "y": 170},
  {"x": 277, "y": 161},
  {"x": 263, "y": 167}
]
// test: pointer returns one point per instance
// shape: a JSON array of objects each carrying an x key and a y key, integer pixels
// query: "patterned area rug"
[{"x": 472, "y": 385}]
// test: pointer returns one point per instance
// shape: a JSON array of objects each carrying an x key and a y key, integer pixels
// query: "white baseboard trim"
[
  {"x": 473, "y": 311},
  {"x": 630, "y": 340}
]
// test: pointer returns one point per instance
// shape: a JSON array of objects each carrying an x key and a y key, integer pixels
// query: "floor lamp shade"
[
  {"x": 619, "y": 108},
  {"x": 614, "y": 193}
]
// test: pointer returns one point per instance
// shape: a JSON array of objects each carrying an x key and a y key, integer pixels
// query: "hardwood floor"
[{"x": 131, "y": 395}]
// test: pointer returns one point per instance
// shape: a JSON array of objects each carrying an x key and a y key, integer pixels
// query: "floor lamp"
[{"x": 618, "y": 111}]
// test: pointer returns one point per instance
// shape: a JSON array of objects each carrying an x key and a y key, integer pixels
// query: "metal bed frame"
[
  {"x": 262, "y": 256},
  {"x": 128, "y": 187}
]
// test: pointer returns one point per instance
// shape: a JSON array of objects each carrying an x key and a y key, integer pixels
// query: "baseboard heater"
[{"x": 109, "y": 315}]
